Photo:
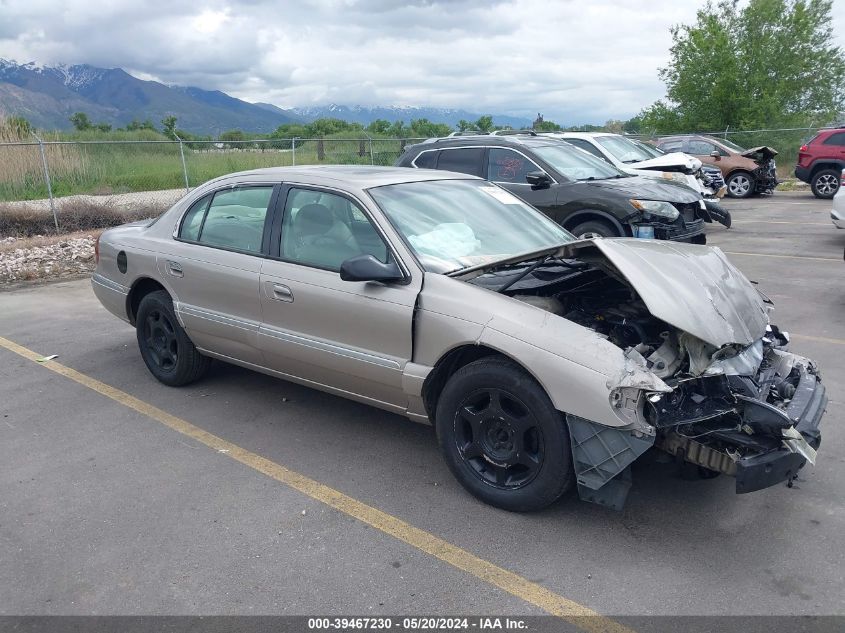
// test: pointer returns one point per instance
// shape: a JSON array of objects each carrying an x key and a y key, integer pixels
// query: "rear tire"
[
  {"x": 741, "y": 184},
  {"x": 502, "y": 438},
  {"x": 825, "y": 183},
  {"x": 594, "y": 228},
  {"x": 165, "y": 347}
]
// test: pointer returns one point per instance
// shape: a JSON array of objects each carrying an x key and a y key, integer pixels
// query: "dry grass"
[
  {"x": 74, "y": 215},
  {"x": 22, "y": 163}
]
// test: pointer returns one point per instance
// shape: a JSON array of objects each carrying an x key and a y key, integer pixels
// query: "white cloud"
[{"x": 575, "y": 61}]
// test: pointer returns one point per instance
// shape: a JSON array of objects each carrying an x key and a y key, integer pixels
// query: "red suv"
[{"x": 821, "y": 161}]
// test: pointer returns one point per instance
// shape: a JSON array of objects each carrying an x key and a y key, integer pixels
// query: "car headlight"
[
  {"x": 656, "y": 207},
  {"x": 674, "y": 176}
]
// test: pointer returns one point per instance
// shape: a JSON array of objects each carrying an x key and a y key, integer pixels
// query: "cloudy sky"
[{"x": 574, "y": 60}]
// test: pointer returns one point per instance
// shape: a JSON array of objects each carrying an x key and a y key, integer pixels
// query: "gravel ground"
[{"x": 46, "y": 257}]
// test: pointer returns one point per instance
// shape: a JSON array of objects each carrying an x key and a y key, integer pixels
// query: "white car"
[{"x": 837, "y": 214}]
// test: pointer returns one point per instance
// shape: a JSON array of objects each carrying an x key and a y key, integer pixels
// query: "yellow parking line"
[
  {"x": 514, "y": 584},
  {"x": 818, "y": 339},
  {"x": 819, "y": 259}
]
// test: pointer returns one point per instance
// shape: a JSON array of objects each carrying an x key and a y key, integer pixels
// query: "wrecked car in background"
[
  {"x": 634, "y": 159},
  {"x": 544, "y": 362},
  {"x": 746, "y": 171}
]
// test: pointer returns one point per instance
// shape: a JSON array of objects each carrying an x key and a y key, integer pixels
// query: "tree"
[
  {"x": 464, "y": 125},
  {"x": 80, "y": 121},
  {"x": 168, "y": 125},
  {"x": 768, "y": 63},
  {"x": 484, "y": 124},
  {"x": 103, "y": 127},
  {"x": 546, "y": 126},
  {"x": 379, "y": 126},
  {"x": 424, "y": 128},
  {"x": 233, "y": 135},
  {"x": 135, "y": 125}
]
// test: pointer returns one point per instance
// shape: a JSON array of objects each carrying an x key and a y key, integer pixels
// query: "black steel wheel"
[
  {"x": 165, "y": 347},
  {"x": 502, "y": 437}
]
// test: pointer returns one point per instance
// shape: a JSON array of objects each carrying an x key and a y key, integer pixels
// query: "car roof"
[
  {"x": 358, "y": 176},
  {"x": 487, "y": 140}
]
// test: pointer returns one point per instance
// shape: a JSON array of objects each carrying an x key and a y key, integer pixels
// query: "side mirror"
[
  {"x": 538, "y": 179},
  {"x": 368, "y": 268},
  {"x": 715, "y": 154}
]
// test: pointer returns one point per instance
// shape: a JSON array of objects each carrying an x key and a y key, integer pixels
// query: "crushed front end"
[{"x": 752, "y": 413}]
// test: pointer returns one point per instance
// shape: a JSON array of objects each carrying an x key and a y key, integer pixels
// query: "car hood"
[
  {"x": 694, "y": 288},
  {"x": 760, "y": 154},
  {"x": 644, "y": 188},
  {"x": 675, "y": 160}
]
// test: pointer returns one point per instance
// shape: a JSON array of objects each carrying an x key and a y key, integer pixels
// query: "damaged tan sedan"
[{"x": 543, "y": 362}]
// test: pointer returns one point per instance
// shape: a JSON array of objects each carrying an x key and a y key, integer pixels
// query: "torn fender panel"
[{"x": 694, "y": 288}]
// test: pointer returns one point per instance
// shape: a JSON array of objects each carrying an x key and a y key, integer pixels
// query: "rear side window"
[
  {"x": 835, "y": 139},
  {"x": 466, "y": 160},
  {"x": 505, "y": 165},
  {"x": 426, "y": 160},
  {"x": 231, "y": 218},
  {"x": 190, "y": 229},
  {"x": 672, "y": 146}
]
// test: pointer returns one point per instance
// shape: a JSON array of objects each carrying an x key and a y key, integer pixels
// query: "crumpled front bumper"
[
  {"x": 805, "y": 410},
  {"x": 770, "y": 458}
]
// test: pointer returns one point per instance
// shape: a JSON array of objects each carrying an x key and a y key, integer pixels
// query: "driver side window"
[{"x": 323, "y": 230}]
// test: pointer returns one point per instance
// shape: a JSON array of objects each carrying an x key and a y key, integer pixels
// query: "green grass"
[{"x": 124, "y": 167}]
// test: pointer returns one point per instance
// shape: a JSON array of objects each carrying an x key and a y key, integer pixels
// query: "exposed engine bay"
[{"x": 747, "y": 410}]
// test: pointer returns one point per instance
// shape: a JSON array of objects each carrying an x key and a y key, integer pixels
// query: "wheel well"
[
  {"x": 140, "y": 289},
  {"x": 827, "y": 165},
  {"x": 451, "y": 362},
  {"x": 597, "y": 216}
]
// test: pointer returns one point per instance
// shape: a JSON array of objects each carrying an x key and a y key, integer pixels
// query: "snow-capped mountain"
[
  {"x": 48, "y": 95},
  {"x": 368, "y": 114}
]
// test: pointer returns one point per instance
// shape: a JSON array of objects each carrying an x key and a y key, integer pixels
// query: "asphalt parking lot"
[{"x": 108, "y": 506}]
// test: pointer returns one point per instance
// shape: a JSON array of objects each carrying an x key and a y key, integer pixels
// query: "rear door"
[
  {"x": 352, "y": 338},
  {"x": 213, "y": 265}
]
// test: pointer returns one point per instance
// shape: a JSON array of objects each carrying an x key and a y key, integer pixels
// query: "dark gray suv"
[{"x": 583, "y": 194}]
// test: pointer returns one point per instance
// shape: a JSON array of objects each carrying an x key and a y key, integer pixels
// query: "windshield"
[
  {"x": 455, "y": 224},
  {"x": 732, "y": 146},
  {"x": 622, "y": 149},
  {"x": 648, "y": 149},
  {"x": 574, "y": 163}
]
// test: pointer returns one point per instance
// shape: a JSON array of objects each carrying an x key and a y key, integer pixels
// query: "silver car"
[{"x": 543, "y": 362}]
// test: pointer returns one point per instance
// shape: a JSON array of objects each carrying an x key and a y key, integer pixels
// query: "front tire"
[
  {"x": 825, "y": 183},
  {"x": 502, "y": 438},
  {"x": 741, "y": 184},
  {"x": 593, "y": 228},
  {"x": 165, "y": 347}
]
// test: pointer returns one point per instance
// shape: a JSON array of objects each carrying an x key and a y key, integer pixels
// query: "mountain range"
[{"x": 48, "y": 95}]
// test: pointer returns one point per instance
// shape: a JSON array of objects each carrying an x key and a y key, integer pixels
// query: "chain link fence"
[
  {"x": 135, "y": 176},
  {"x": 149, "y": 176}
]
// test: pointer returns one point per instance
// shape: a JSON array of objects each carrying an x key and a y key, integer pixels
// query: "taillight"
[
  {"x": 97, "y": 250},
  {"x": 803, "y": 148}
]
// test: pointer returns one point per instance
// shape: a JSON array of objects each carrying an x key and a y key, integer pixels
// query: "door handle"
[
  {"x": 175, "y": 268},
  {"x": 282, "y": 293}
]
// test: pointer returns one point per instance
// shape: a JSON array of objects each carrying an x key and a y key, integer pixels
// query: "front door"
[{"x": 352, "y": 338}]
